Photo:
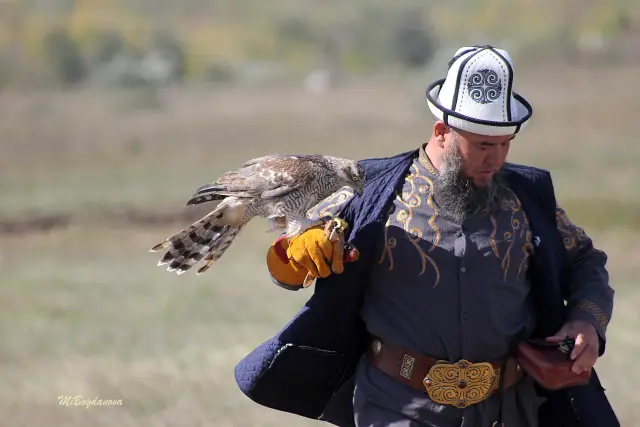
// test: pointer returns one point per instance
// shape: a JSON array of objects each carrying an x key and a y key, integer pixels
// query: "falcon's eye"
[{"x": 355, "y": 177}]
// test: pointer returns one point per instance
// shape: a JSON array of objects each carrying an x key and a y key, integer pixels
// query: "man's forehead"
[{"x": 488, "y": 139}]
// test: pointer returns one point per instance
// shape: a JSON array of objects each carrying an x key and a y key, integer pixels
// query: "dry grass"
[{"x": 85, "y": 311}]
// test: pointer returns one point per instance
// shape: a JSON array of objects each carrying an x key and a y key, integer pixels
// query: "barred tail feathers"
[
  {"x": 207, "y": 238},
  {"x": 216, "y": 251}
]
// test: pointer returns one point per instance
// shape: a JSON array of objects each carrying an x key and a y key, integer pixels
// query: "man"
[{"x": 462, "y": 256}]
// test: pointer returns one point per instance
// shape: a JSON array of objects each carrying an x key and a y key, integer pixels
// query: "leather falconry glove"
[{"x": 318, "y": 252}]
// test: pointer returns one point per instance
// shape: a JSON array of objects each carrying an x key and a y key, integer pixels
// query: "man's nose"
[{"x": 493, "y": 158}]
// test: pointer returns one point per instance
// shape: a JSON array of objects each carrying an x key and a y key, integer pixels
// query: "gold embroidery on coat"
[
  {"x": 527, "y": 247},
  {"x": 411, "y": 200},
  {"x": 595, "y": 311},
  {"x": 432, "y": 220},
  {"x": 427, "y": 164},
  {"x": 518, "y": 229},
  {"x": 494, "y": 246},
  {"x": 390, "y": 243},
  {"x": 329, "y": 206},
  {"x": 572, "y": 234},
  {"x": 414, "y": 235}
]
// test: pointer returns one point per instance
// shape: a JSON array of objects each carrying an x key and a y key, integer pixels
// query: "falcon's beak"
[{"x": 359, "y": 189}]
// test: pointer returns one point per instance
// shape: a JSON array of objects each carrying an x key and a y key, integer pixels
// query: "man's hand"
[{"x": 586, "y": 349}]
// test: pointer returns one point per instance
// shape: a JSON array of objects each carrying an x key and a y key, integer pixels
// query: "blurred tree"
[
  {"x": 296, "y": 29},
  {"x": 11, "y": 18},
  {"x": 108, "y": 45},
  {"x": 172, "y": 50},
  {"x": 65, "y": 59},
  {"x": 362, "y": 35},
  {"x": 412, "y": 44}
]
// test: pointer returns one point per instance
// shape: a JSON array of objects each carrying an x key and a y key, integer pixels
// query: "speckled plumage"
[{"x": 281, "y": 188}]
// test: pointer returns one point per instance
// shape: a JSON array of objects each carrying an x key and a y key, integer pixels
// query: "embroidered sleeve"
[
  {"x": 591, "y": 309},
  {"x": 573, "y": 237},
  {"x": 332, "y": 205},
  {"x": 590, "y": 296}
]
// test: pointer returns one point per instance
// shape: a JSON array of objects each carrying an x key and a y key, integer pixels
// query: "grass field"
[{"x": 84, "y": 311}]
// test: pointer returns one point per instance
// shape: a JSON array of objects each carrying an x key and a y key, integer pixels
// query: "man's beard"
[{"x": 459, "y": 196}]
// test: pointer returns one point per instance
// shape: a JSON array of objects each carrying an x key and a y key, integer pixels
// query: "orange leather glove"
[{"x": 311, "y": 252}]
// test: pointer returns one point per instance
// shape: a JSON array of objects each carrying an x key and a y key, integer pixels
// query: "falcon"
[{"x": 283, "y": 189}]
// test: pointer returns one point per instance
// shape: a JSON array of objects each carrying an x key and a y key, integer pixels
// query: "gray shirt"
[{"x": 449, "y": 290}]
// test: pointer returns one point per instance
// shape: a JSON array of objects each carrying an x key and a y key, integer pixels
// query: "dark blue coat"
[{"x": 307, "y": 368}]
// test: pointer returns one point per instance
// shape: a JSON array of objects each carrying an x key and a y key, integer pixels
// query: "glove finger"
[
  {"x": 321, "y": 261},
  {"x": 305, "y": 260},
  {"x": 325, "y": 247},
  {"x": 337, "y": 265}
]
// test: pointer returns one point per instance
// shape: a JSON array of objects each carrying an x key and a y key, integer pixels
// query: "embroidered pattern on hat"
[{"x": 485, "y": 86}]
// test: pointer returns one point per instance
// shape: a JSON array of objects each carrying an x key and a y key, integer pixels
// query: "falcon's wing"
[{"x": 265, "y": 177}]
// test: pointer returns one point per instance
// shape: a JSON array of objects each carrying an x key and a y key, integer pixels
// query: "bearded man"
[{"x": 462, "y": 257}]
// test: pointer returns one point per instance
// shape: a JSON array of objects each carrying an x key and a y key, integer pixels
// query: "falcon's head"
[{"x": 352, "y": 175}]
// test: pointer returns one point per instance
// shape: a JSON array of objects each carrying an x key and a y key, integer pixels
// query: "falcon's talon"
[{"x": 340, "y": 224}]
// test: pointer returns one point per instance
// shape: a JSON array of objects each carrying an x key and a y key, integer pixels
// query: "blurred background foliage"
[{"x": 136, "y": 42}]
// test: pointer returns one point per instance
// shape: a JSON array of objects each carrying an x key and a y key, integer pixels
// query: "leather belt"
[{"x": 460, "y": 383}]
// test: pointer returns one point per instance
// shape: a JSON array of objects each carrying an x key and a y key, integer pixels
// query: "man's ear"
[{"x": 440, "y": 130}]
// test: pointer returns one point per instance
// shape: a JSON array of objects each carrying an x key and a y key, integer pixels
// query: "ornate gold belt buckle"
[{"x": 461, "y": 383}]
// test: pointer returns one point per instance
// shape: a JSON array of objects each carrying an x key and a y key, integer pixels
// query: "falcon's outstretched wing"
[{"x": 265, "y": 177}]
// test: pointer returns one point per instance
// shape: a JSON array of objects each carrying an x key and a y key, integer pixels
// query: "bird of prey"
[{"x": 280, "y": 188}]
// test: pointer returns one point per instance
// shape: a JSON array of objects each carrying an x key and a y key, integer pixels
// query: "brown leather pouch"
[{"x": 549, "y": 364}]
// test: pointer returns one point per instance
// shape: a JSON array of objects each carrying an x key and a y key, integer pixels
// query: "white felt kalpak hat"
[{"x": 477, "y": 95}]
